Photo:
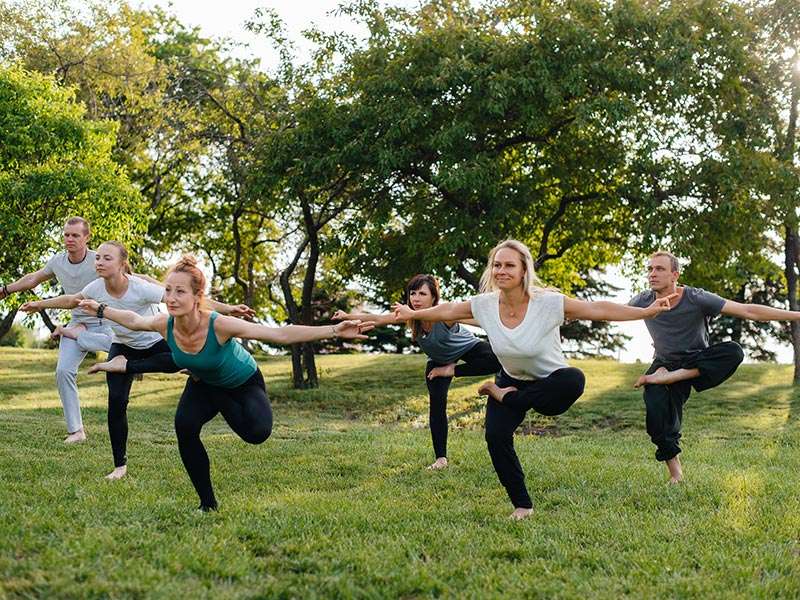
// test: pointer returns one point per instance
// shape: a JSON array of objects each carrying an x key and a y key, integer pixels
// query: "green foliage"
[{"x": 53, "y": 164}]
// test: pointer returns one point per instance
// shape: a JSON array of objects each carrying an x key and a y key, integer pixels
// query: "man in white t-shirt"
[{"x": 74, "y": 270}]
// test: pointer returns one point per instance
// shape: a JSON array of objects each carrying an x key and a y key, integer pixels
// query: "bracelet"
[
  {"x": 100, "y": 310},
  {"x": 333, "y": 331}
]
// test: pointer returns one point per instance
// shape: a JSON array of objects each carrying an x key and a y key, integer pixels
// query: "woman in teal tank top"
[{"x": 225, "y": 377}]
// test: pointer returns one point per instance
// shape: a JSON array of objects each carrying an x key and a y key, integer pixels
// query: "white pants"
[{"x": 70, "y": 355}]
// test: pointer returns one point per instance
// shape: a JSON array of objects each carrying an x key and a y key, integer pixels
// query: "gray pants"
[{"x": 70, "y": 355}]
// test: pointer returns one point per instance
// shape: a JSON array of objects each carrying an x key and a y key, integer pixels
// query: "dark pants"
[
  {"x": 119, "y": 390},
  {"x": 245, "y": 408},
  {"x": 664, "y": 403},
  {"x": 552, "y": 395},
  {"x": 157, "y": 363},
  {"x": 478, "y": 360}
]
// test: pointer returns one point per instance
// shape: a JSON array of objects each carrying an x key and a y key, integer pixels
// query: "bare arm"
[
  {"x": 448, "y": 311},
  {"x": 65, "y": 301},
  {"x": 127, "y": 318},
  {"x": 612, "y": 311},
  {"x": 233, "y": 310},
  {"x": 228, "y": 327},
  {"x": 26, "y": 282},
  {"x": 758, "y": 312},
  {"x": 382, "y": 319}
]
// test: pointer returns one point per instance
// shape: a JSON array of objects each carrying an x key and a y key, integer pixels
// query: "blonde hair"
[
  {"x": 530, "y": 282},
  {"x": 123, "y": 254},
  {"x": 673, "y": 261}
]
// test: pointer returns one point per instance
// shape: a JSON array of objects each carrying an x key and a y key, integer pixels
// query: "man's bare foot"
[
  {"x": 675, "y": 470},
  {"x": 448, "y": 370},
  {"x": 521, "y": 513},
  {"x": 118, "y": 473},
  {"x": 75, "y": 437},
  {"x": 490, "y": 388},
  {"x": 656, "y": 377},
  {"x": 115, "y": 365},
  {"x": 439, "y": 463}
]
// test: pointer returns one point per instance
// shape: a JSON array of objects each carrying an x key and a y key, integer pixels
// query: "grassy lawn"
[{"x": 337, "y": 503}]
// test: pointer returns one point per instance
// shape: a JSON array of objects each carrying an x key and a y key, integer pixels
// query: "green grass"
[{"x": 337, "y": 502}]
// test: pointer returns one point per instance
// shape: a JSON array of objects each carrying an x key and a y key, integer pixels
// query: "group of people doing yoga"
[{"x": 521, "y": 318}]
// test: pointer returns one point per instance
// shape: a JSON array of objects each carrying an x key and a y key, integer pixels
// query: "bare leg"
[
  {"x": 439, "y": 463},
  {"x": 521, "y": 513},
  {"x": 118, "y": 473},
  {"x": 75, "y": 437},
  {"x": 663, "y": 377},
  {"x": 115, "y": 365},
  {"x": 675, "y": 470},
  {"x": 448, "y": 370},
  {"x": 68, "y": 332},
  {"x": 490, "y": 388}
]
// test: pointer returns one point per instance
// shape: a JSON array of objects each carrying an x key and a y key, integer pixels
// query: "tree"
[{"x": 53, "y": 164}]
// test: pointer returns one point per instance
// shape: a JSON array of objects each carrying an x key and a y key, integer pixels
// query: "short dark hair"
[{"x": 79, "y": 221}]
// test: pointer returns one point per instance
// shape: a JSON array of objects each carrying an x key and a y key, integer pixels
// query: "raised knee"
[
  {"x": 258, "y": 436},
  {"x": 737, "y": 354}
]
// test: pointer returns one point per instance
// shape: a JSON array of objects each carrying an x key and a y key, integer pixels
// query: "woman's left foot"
[
  {"x": 118, "y": 473},
  {"x": 448, "y": 370},
  {"x": 521, "y": 513},
  {"x": 118, "y": 364},
  {"x": 494, "y": 391},
  {"x": 439, "y": 463}
]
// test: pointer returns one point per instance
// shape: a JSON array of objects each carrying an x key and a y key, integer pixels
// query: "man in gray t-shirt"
[{"x": 683, "y": 358}]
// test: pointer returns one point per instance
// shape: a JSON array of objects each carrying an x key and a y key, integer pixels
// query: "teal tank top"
[{"x": 227, "y": 366}]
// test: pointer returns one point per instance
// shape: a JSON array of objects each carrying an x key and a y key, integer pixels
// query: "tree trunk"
[
  {"x": 307, "y": 297},
  {"x": 7, "y": 322},
  {"x": 792, "y": 254}
]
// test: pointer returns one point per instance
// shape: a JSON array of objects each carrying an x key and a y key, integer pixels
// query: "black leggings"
[
  {"x": 478, "y": 360},
  {"x": 119, "y": 390},
  {"x": 245, "y": 408},
  {"x": 552, "y": 395},
  {"x": 664, "y": 403}
]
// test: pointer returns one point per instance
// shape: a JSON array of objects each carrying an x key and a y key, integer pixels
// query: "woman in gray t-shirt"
[{"x": 445, "y": 344}]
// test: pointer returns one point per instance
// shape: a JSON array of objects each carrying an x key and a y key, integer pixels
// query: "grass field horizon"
[{"x": 338, "y": 503}]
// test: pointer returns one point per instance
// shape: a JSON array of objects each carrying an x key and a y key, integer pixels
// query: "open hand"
[
  {"x": 660, "y": 305},
  {"x": 242, "y": 311},
  {"x": 402, "y": 312},
  {"x": 352, "y": 330},
  {"x": 30, "y": 307},
  {"x": 89, "y": 306}
]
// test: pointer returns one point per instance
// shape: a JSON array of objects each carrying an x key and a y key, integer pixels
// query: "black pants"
[
  {"x": 664, "y": 403},
  {"x": 157, "y": 363},
  {"x": 478, "y": 360},
  {"x": 552, "y": 395},
  {"x": 245, "y": 408},
  {"x": 119, "y": 389}
]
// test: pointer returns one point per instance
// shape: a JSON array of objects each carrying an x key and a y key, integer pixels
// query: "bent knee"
[{"x": 258, "y": 436}]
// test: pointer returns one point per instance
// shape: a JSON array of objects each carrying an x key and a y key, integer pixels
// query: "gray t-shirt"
[
  {"x": 73, "y": 277},
  {"x": 684, "y": 328},
  {"x": 142, "y": 297},
  {"x": 446, "y": 345}
]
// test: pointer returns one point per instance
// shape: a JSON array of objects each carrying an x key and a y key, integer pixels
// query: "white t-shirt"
[
  {"x": 74, "y": 277},
  {"x": 532, "y": 350},
  {"x": 142, "y": 297}
]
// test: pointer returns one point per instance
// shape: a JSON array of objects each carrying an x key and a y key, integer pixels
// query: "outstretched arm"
[
  {"x": 448, "y": 311},
  {"x": 233, "y": 310},
  {"x": 383, "y": 319},
  {"x": 758, "y": 312},
  {"x": 26, "y": 282},
  {"x": 127, "y": 318},
  {"x": 228, "y": 327},
  {"x": 66, "y": 301},
  {"x": 611, "y": 311}
]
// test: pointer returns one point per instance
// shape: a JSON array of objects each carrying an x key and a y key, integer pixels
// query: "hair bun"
[{"x": 188, "y": 260}]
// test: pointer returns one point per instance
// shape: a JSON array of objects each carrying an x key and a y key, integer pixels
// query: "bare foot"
[
  {"x": 115, "y": 365},
  {"x": 75, "y": 437},
  {"x": 675, "y": 470},
  {"x": 439, "y": 463},
  {"x": 656, "y": 377},
  {"x": 448, "y": 370},
  {"x": 118, "y": 473},
  {"x": 521, "y": 513},
  {"x": 56, "y": 333},
  {"x": 490, "y": 388}
]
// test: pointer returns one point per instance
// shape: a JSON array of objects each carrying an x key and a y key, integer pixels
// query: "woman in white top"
[{"x": 522, "y": 319}]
